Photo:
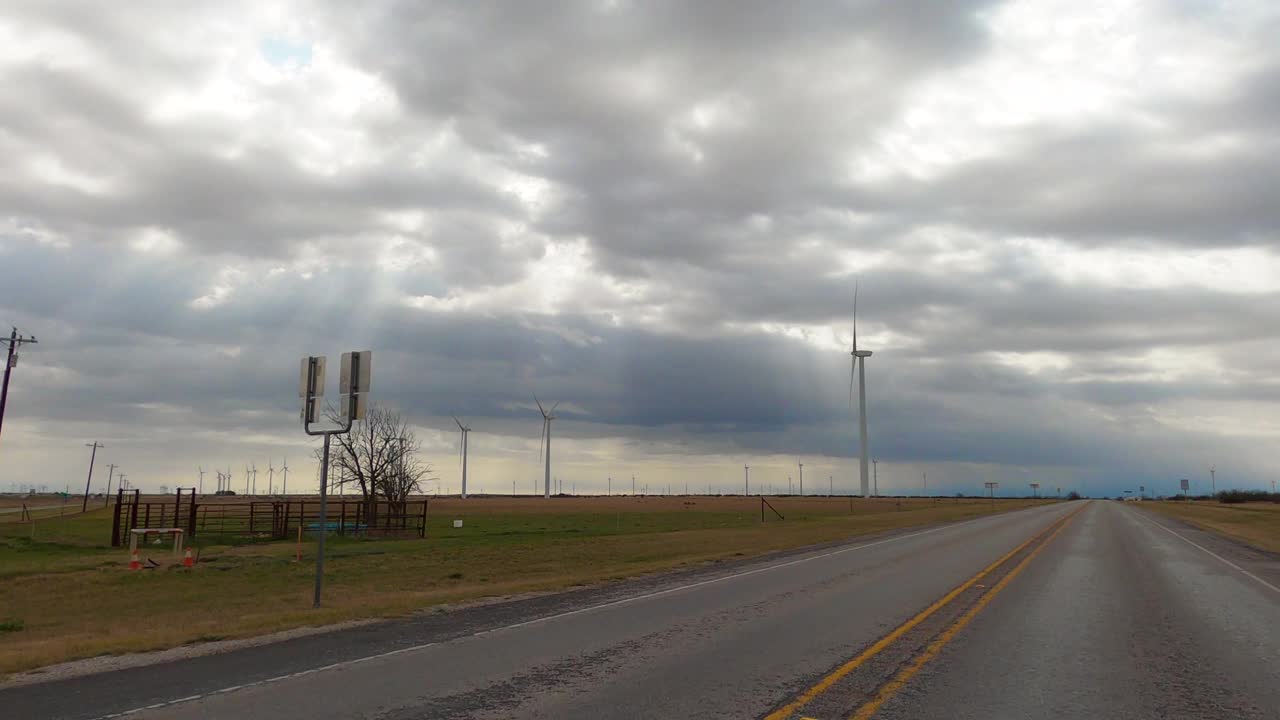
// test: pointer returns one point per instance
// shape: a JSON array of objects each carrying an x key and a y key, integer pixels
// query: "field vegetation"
[
  {"x": 1254, "y": 523},
  {"x": 65, "y": 594}
]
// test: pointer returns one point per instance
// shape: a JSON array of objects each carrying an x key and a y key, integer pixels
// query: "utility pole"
[
  {"x": 123, "y": 485},
  {"x": 107, "y": 497},
  {"x": 875, "y": 478},
  {"x": 85, "y": 505},
  {"x": 14, "y": 342}
]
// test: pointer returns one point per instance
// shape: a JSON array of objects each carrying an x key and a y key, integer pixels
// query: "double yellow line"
[{"x": 890, "y": 688}]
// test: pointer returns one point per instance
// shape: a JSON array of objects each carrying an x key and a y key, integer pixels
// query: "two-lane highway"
[{"x": 1084, "y": 609}]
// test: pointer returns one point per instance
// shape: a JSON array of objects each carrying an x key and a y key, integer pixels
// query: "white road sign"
[
  {"x": 318, "y": 386},
  {"x": 357, "y": 412},
  {"x": 361, "y": 383}
]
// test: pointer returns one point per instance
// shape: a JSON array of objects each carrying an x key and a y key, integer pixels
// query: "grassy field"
[
  {"x": 1255, "y": 523},
  {"x": 64, "y": 594}
]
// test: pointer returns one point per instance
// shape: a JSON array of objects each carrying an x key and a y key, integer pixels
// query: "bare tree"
[{"x": 378, "y": 456}]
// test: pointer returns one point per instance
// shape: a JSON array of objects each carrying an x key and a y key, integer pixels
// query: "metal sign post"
[
  {"x": 354, "y": 382},
  {"x": 992, "y": 487}
]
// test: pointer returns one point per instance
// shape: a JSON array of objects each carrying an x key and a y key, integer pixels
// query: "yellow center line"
[
  {"x": 904, "y": 676},
  {"x": 786, "y": 711}
]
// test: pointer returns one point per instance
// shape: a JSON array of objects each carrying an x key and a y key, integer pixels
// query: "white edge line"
[
  {"x": 557, "y": 616},
  {"x": 1209, "y": 552}
]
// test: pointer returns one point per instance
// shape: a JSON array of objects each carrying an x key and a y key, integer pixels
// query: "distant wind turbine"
[
  {"x": 462, "y": 455},
  {"x": 285, "y": 471},
  {"x": 859, "y": 367},
  {"x": 545, "y": 450},
  {"x": 271, "y": 477}
]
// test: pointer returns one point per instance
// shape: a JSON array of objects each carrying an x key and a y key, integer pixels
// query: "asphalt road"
[{"x": 1086, "y": 609}]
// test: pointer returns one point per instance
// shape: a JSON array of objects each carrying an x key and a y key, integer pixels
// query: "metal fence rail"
[{"x": 268, "y": 519}]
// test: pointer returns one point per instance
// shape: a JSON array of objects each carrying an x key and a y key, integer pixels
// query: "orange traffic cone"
[
  {"x": 186, "y": 559},
  {"x": 135, "y": 563}
]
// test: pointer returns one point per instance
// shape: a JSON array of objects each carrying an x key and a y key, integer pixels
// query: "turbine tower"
[
  {"x": 285, "y": 471},
  {"x": 255, "y": 478},
  {"x": 462, "y": 455},
  {"x": 545, "y": 450},
  {"x": 271, "y": 477},
  {"x": 859, "y": 368}
]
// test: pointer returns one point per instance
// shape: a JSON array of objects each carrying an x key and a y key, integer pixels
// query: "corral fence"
[{"x": 274, "y": 519}]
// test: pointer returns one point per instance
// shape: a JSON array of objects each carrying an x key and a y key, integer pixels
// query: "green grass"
[
  {"x": 1257, "y": 524},
  {"x": 71, "y": 596}
]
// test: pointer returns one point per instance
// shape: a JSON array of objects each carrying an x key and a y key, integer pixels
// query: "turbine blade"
[
  {"x": 853, "y": 370},
  {"x": 455, "y": 419},
  {"x": 544, "y": 412},
  {"x": 553, "y": 407},
  {"x": 855, "y": 316}
]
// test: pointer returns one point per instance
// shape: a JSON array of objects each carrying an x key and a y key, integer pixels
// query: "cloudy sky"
[{"x": 1063, "y": 217}]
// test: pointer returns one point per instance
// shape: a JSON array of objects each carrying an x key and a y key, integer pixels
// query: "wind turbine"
[
  {"x": 547, "y": 417},
  {"x": 248, "y": 477},
  {"x": 255, "y": 478},
  {"x": 285, "y": 470},
  {"x": 271, "y": 477},
  {"x": 198, "y": 469},
  {"x": 859, "y": 367},
  {"x": 462, "y": 455}
]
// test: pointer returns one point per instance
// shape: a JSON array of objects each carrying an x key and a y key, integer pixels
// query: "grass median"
[
  {"x": 66, "y": 595},
  {"x": 1254, "y": 523}
]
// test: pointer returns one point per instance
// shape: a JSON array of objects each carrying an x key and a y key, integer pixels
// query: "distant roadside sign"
[{"x": 1186, "y": 484}]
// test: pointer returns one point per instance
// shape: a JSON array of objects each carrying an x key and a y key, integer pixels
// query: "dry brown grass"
[
  {"x": 76, "y": 600},
  {"x": 1257, "y": 524}
]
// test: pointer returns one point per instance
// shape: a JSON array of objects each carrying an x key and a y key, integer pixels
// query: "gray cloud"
[{"x": 699, "y": 156}]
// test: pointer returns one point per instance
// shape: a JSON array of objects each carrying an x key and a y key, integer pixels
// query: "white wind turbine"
[
  {"x": 255, "y": 478},
  {"x": 271, "y": 477},
  {"x": 547, "y": 417},
  {"x": 285, "y": 470},
  {"x": 859, "y": 367},
  {"x": 462, "y": 454}
]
